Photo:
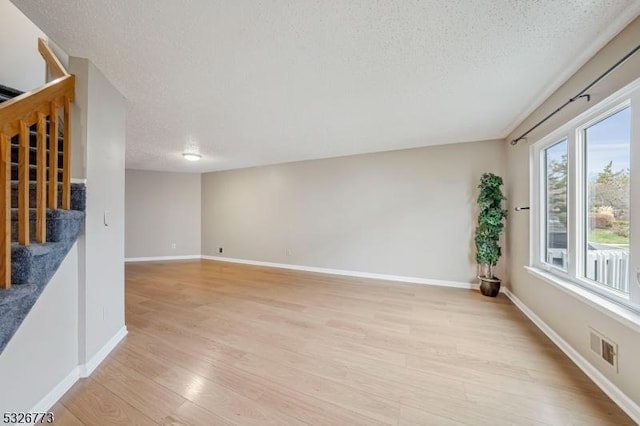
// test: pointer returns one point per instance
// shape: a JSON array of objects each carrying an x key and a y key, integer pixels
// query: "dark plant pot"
[{"x": 489, "y": 286}]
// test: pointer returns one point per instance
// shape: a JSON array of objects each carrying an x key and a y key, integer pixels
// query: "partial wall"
[
  {"x": 567, "y": 316},
  {"x": 408, "y": 213},
  {"x": 162, "y": 214},
  {"x": 44, "y": 350},
  {"x": 21, "y": 65},
  {"x": 99, "y": 144}
]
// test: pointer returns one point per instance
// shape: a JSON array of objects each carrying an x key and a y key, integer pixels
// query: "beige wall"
[
  {"x": 162, "y": 209},
  {"x": 567, "y": 316},
  {"x": 21, "y": 65},
  {"x": 409, "y": 213}
]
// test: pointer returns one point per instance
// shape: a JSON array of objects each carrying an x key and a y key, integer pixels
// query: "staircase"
[{"x": 45, "y": 218}]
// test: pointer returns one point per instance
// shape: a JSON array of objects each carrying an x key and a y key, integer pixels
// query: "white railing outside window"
[{"x": 609, "y": 267}]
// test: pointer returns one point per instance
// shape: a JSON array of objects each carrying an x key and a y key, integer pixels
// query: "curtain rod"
[{"x": 583, "y": 94}]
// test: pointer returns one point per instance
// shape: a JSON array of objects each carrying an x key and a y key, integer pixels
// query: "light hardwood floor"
[{"x": 216, "y": 343}]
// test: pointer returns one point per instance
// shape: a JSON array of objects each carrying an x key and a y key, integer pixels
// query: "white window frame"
[{"x": 572, "y": 279}]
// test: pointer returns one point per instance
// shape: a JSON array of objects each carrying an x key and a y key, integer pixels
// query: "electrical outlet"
[
  {"x": 173, "y": 245},
  {"x": 288, "y": 252},
  {"x": 220, "y": 250}
]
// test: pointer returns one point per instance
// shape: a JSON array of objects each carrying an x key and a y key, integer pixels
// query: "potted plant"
[{"x": 491, "y": 217}]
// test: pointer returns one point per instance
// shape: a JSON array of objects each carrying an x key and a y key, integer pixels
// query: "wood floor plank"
[
  {"x": 189, "y": 414},
  {"x": 151, "y": 399},
  {"x": 224, "y": 402},
  {"x": 62, "y": 416},
  {"x": 551, "y": 412},
  {"x": 410, "y": 416},
  {"x": 367, "y": 404},
  {"x": 214, "y": 343},
  {"x": 308, "y": 409},
  {"x": 95, "y": 405}
]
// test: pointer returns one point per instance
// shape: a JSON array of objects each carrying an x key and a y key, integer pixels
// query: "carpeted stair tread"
[
  {"x": 78, "y": 195},
  {"x": 33, "y": 139},
  {"x": 15, "y": 155},
  {"x": 14, "y": 311},
  {"x": 32, "y": 264},
  {"x": 53, "y": 214},
  {"x": 34, "y": 249},
  {"x": 9, "y": 91},
  {"x": 60, "y": 224},
  {"x": 32, "y": 172},
  {"x": 15, "y": 293}
]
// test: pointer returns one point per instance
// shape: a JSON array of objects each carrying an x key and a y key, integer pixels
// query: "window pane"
[
  {"x": 556, "y": 208},
  {"x": 607, "y": 148}
]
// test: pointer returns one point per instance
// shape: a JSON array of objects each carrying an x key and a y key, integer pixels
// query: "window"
[
  {"x": 556, "y": 204},
  {"x": 606, "y": 184},
  {"x": 585, "y": 200}
]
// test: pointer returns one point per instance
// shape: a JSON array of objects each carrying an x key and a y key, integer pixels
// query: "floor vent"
[{"x": 604, "y": 348}]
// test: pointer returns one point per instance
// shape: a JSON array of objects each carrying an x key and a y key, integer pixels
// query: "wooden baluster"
[
  {"x": 66, "y": 156},
  {"x": 23, "y": 185},
  {"x": 5, "y": 212},
  {"x": 53, "y": 157},
  {"x": 41, "y": 182}
]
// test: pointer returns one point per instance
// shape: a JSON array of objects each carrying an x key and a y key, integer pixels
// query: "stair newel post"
[
  {"x": 53, "y": 156},
  {"x": 23, "y": 185},
  {"x": 66, "y": 156},
  {"x": 5, "y": 212},
  {"x": 41, "y": 176}
]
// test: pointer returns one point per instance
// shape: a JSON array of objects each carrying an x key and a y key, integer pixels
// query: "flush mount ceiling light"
[{"x": 190, "y": 156}]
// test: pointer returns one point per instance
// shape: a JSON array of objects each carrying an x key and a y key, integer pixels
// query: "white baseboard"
[
  {"x": 357, "y": 274},
  {"x": 57, "y": 392},
  {"x": 627, "y": 404},
  {"x": 161, "y": 258},
  {"x": 78, "y": 372},
  {"x": 86, "y": 369}
]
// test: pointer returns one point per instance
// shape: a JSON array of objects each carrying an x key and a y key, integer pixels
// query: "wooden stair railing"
[{"x": 17, "y": 115}]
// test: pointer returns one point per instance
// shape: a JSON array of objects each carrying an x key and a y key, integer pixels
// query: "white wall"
[
  {"x": 99, "y": 141},
  {"x": 409, "y": 213},
  {"x": 162, "y": 209},
  {"x": 44, "y": 350},
  {"x": 569, "y": 317},
  {"x": 21, "y": 65}
]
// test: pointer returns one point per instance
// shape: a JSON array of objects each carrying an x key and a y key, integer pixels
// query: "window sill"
[{"x": 624, "y": 315}]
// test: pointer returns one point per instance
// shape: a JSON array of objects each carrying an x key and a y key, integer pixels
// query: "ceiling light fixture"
[{"x": 190, "y": 156}]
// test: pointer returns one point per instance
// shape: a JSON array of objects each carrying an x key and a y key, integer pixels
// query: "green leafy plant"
[{"x": 490, "y": 222}]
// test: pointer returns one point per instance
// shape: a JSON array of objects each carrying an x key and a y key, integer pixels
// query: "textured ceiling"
[{"x": 252, "y": 82}]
